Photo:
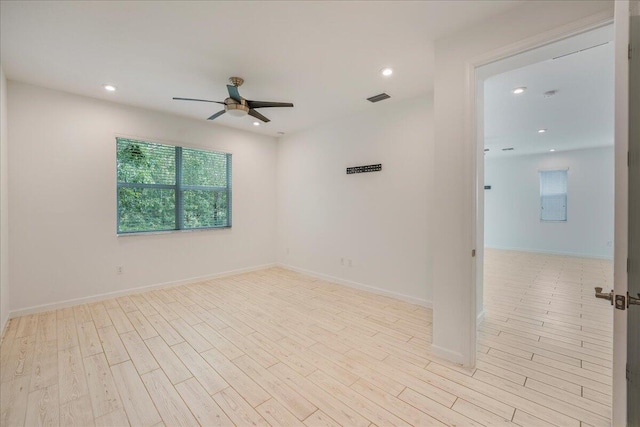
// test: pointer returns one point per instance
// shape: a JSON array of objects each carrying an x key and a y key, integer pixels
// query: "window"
[
  {"x": 553, "y": 195},
  {"x": 164, "y": 187}
]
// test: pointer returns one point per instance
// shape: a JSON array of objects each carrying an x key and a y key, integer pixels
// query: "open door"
[
  {"x": 633, "y": 278},
  {"x": 626, "y": 328}
]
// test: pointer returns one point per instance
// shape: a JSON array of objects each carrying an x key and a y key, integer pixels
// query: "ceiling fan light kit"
[{"x": 237, "y": 106}]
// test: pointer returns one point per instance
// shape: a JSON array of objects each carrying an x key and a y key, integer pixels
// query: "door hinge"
[
  {"x": 473, "y": 253},
  {"x": 628, "y": 373},
  {"x": 629, "y": 51},
  {"x": 628, "y": 265}
]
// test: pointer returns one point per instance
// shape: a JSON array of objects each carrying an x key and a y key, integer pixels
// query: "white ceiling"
[
  {"x": 579, "y": 116},
  {"x": 324, "y": 57}
]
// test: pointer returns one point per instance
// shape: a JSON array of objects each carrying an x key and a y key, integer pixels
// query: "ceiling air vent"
[
  {"x": 379, "y": 97},
  {"x": 507, "y": 149}
]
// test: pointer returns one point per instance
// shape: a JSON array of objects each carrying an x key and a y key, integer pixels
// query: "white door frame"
[
  {"x": 473, "y": 132},
  {"x": 621, "y": 232}
]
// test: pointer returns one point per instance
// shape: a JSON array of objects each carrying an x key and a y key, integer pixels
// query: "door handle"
[
  {"x": 607, "y": 296},
  {"x": 620, "y": 300}
]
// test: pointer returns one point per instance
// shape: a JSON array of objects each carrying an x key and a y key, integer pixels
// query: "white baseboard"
[
  {"x": 449, "y": 355},
  {"x": 538, "y": 251},
  {"x": 137, "y": 290},
  {"x": 3, "y": 327},
  {"x": 407, "y": 298},
  {"x": 99, "y": 297},
  {"x": 452, "y": 356}
]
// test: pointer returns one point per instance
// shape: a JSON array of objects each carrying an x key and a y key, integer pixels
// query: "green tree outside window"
[{"x": 163, "y": 187}]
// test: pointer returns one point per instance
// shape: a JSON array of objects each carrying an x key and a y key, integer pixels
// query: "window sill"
[{"x": 154, "y": 233}]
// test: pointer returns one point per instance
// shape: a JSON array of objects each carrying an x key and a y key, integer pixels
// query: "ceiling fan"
[{"x": 237, "y": 105}]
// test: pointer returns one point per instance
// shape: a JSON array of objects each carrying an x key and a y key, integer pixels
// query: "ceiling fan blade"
[
  {"x": 233, "y": 93},
  {"x": 199, "y": 100},
  {"x": 218, "y": 114},
  {"x": 264, "y": 104},
  {"x": 258, "y": 116}
]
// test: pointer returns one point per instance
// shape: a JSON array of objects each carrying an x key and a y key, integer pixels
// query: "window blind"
[
  {"x": 553, "y": 195},
  {"x": 164, "y": 187}
]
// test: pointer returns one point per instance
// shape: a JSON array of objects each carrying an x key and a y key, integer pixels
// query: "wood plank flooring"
[{"x": 275, "y": 347}]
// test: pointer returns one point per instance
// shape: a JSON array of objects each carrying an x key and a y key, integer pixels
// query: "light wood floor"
[{"x": 276, "y": 347}]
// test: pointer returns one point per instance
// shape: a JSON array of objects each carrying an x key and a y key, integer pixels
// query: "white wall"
[
  {"x": 4, "y": 205},
  {"x": 453, "y": 226},
  {"x": 379, "y": 220},
  {"x": 62, "y": 187},
  {"x": 512, "y": 206}
]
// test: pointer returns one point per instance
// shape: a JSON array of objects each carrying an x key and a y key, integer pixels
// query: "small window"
[
  {"x": 165, "y": 187},
  {"x": 553, "y": 195}
]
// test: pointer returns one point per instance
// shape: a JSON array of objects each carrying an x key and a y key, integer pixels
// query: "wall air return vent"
[{"x": 380, "y": 97}]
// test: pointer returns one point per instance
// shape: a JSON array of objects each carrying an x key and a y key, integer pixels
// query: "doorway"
[{"x": 548, "y": 131}]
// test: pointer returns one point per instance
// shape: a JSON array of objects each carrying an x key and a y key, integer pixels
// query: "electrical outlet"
[
  {"x": 119, "y": 269},
  {"x": 350, "y": 263},
  {"x": 341, "y": 261}
]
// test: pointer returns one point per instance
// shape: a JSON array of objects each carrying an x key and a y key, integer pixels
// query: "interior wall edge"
[
  {"x": 357, "y": 285},
  {"x": 131, "y": 291},
  {"x": 457, "y": 57},
  {"x": 4, "y": 205}
]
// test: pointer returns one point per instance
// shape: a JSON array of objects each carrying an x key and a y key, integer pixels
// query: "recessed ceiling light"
[
  {"x": 386, "y": 72},
  {"x": 110, "y": 88},
  {"x": 542, "y": 130},
  {"x": 256, "y": 123},
  {"x": 518, "y": 90},
  {"x": 552, "y": 150}
]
